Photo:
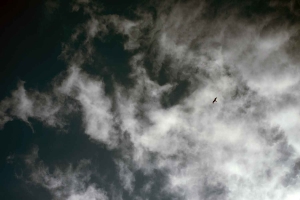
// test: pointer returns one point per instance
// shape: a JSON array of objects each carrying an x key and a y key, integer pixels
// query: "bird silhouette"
[{"x": 215, "y": 100}]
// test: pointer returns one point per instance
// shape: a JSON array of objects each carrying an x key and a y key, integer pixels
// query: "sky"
[{"x": 113, "y": 100}]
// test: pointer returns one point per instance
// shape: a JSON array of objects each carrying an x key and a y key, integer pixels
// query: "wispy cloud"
[
  {"x": 23, "y": 105},
  {"x": 184, "y": 55},
  {"x": 70, "y": 183}
]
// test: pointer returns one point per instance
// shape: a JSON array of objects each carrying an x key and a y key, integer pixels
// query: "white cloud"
[
  {"x": 71, "y": 183},
  {"x": 87, "y": 91},
  {"x": 126, "y": 176},
  {"x": 227, "y": 150},
  {"x": 23, "y": 105},
  {"x": 218, "y": 147},
  {"x": 90, "y": 193},
  {"x": 96, "y": 106}
]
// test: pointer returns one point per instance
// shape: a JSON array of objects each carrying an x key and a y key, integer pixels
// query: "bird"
[{"x": 215, "y": 100}]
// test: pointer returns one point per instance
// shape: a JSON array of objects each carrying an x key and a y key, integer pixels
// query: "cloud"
[
  {"x": 23, "y": 105},
  {"x": 90, "y": 193},
  {"x": 126, "y": 176},
  {"x": 95, "y": 105},
  {"x": 182, "y": 57},
  {"x": 217, "y": 149},
  {"x": 70, "y": 182},
  {"x": 50, "y": 108}
]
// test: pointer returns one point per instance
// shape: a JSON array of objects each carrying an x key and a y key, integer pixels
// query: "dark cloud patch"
[
  {"x": 217, "y": 191},
  {"x": 291, "y": 178},
  {"x": 178, "y": 93},
  {"x": 150, "y": 62},
  {"x": 273, "y": 135},
  {"x": 141, "y": 113},
  {"x": 273, "y": 27},
  {"x": 296, "y": 168},
  {"x": 164, "y": 75},
  {"x": 285, "y": 151},
  {"x": 293, "y": 46},
  {"x": 151, "y": 185},
  {"x": 252, "y": 105},
  {"x": 240, "y": 91}
]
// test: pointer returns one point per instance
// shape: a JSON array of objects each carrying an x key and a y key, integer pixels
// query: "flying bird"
[{"x": 215, "y": 100}]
